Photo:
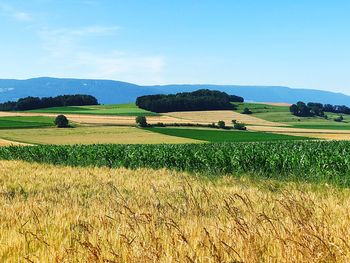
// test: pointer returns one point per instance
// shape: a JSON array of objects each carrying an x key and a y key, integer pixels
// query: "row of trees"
[
  {"x": 31, "y": 103},
  {"x": 316, "y": 109},
  {"x": 203, "y": 99},
  {"x": 141, "y": 121}
]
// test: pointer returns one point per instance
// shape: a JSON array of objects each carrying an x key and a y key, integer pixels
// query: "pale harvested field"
[
  {"x": 326, "y": 136},
  {"x": 98, "y": 119},
  {"x": 296, "y": 130},
  {"x": 340, "y": 135},
  {"x": 61, "y": 214},
  {"x": 226, "y": 115},
  {"x": 90, "y": 135}
]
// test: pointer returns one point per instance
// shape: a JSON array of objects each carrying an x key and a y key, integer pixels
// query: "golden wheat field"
[
  {"x": 89, "y": 135},
  {"x": 62, "y": 214}
]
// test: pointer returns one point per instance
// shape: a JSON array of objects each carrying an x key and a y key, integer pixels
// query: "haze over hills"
[{"x": 110, "y": 91}]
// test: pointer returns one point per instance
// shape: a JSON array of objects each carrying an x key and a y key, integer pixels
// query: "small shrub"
[
  {"x": 239, "y": 126},
  {"x": 160, "y": 124},
  {"x": 213, "y": 125},
  {"x": 61, "y": 121},
  {"x": 141, "y": 121},
  {"x": 247, "y": 111},
  {"x": 221, "y": 124},
  {"x": 339, "y": 119}
]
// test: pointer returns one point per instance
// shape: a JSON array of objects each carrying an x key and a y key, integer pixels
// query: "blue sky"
[{"x": 297, "y": 43}]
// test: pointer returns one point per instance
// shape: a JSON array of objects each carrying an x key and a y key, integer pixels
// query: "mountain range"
[{"x": 112, "y": 92}]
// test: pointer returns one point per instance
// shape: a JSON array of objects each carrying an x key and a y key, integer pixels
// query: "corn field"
[{"x": 313, "y": 161}]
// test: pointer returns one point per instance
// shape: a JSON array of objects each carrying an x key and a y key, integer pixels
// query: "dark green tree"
[
  {"x": 239, "y": 126},
  {"x": 61, "y": 121},
  {"x": 221, "y": 124},
  {"x": 247, "y": 111},
  {"x": 339, "y": 119},
  {"x": 141, "y": 121}
]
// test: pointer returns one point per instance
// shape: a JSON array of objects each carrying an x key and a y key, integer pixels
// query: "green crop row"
[{"x": 313, "y": 161}]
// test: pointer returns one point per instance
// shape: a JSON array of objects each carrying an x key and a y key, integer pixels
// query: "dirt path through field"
[{"x": 4, "y": 142}]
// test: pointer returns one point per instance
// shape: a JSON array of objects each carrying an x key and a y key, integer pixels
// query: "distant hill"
[{"x": 109, "y": 91}]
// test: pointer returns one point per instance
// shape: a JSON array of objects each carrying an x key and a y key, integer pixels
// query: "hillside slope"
[{"x": 109, "y": 91}]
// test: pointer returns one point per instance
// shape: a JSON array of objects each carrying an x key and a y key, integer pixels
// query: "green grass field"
[
  {"x": 113, "y": 109},
  {"x": 260, "y": 108},
  {"x": 19, "y": 122},
  {"x": 224, "y": 136}
]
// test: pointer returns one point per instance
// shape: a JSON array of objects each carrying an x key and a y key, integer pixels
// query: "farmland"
[
  {"x": 186, "y": 192},
  {"x": 265, "y": 119},
  {"x": 195, "y": 194}
]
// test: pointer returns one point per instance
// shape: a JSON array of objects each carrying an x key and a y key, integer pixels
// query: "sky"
[{"x": 295, "y": 43}]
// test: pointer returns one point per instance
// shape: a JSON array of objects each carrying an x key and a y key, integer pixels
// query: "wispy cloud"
[
  {"x": 83, "y": 31},
  {"x": 63, "y": 41},
  {"x": 124, "y": 66},
  {"x": 14, "y": 13},
  {"x": 68, "y": 49}
]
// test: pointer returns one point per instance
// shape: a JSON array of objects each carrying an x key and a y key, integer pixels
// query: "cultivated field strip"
[
  {"x": 312, "y": 161},
  {"x": 100, "y": 119},
  {"x": 62, "y": 214}
]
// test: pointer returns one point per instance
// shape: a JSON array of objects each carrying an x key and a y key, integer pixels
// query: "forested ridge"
[
  {"x": 31, "y": 103},
  {"x": 203, "y": 99}
]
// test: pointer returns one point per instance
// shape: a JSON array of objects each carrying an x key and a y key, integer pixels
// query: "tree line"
[
  {"x": 310, "y": 109},
  {"x": 202, "y": 99},
  {"x": 32, "y": 103}
]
